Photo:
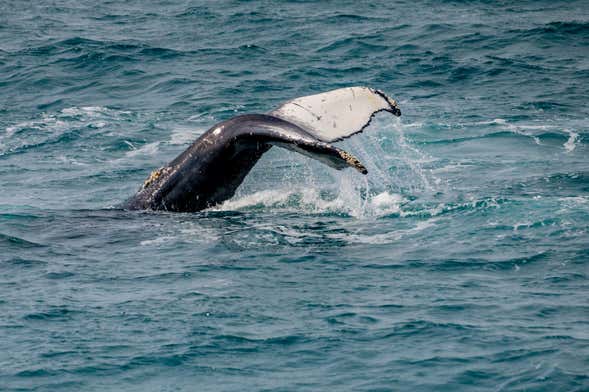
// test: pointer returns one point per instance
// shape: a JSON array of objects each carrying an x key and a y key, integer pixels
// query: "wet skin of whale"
[{"x": 212, "y": 168}]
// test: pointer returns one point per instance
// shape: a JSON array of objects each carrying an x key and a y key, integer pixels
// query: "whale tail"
[
  {"x": 212, "y": 168},
  {"x": 333, "y": 116},
  {"x": 273, "y": 131}
]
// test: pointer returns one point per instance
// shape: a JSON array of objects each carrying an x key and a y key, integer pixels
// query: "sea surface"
[{"x": 459, "y": 263}]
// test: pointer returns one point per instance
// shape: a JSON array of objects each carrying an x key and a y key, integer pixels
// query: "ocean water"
[{"x": 460, "y": 263}]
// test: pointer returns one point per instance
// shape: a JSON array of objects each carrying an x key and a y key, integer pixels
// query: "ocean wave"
[
  {"x": 84, "y": 49},
  {"x": 357, "y": 45},
  {"x": 451, "y": 264},
  {"x": 60, "y": 128},
  {"x": 19, "y": 242},
  {"x": 54, "y": 313},
  {"x": 557, "y": 30},
  {"x": 540, "y": 134}
]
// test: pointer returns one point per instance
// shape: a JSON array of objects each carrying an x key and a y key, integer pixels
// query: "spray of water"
[{"x": 291, "y": 182}]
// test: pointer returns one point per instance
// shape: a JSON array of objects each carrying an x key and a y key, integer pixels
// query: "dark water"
[{"x": 459, "y": 263}]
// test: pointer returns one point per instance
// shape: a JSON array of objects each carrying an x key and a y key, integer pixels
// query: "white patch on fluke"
[{"x": 336, "y": 114}]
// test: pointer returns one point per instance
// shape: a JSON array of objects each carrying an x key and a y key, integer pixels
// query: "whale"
[{"x": 211, "y": 169}]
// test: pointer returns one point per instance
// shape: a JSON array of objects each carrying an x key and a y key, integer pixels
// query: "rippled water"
[{"x": 459, "y": 263}]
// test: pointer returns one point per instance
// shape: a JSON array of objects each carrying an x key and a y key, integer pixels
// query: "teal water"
[{"x": 459, "y": 263}]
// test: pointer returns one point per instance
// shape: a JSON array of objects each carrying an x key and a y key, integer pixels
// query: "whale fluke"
[
  {"x": 337, "y": 114},
  {"x": 212, "y": 168}
]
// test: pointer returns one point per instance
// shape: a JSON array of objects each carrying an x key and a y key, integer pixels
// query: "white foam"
[
  {"x": 187, "y": 232},
  {"x": 574, "y": 201},
  {"x": 267, "y": 198},
  {"x": 527, "y": 130},
  {"x": 157, "y": 241},
  {"x": 11, "y": 130},
  {"x": 146, "y": 149},
  {"x": 310, "y": 200},
  {"x": 93, "y": 111},
  {"x": 500, "y": 121},
  {"x": 520, "y": 130},
  {"x": 571, "y": 143},
  {"x": 386, "y": 238},
  {"x": 183, "y": 136},
  {"x": 451, "y": 167},
  {"x": 414, "y": 125},
  {"x": 386, "y": 204},
  {"x": 94, "y": 116}
]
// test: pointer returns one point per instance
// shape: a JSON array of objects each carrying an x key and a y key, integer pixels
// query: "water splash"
[{"x": 395, "y": 174}]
